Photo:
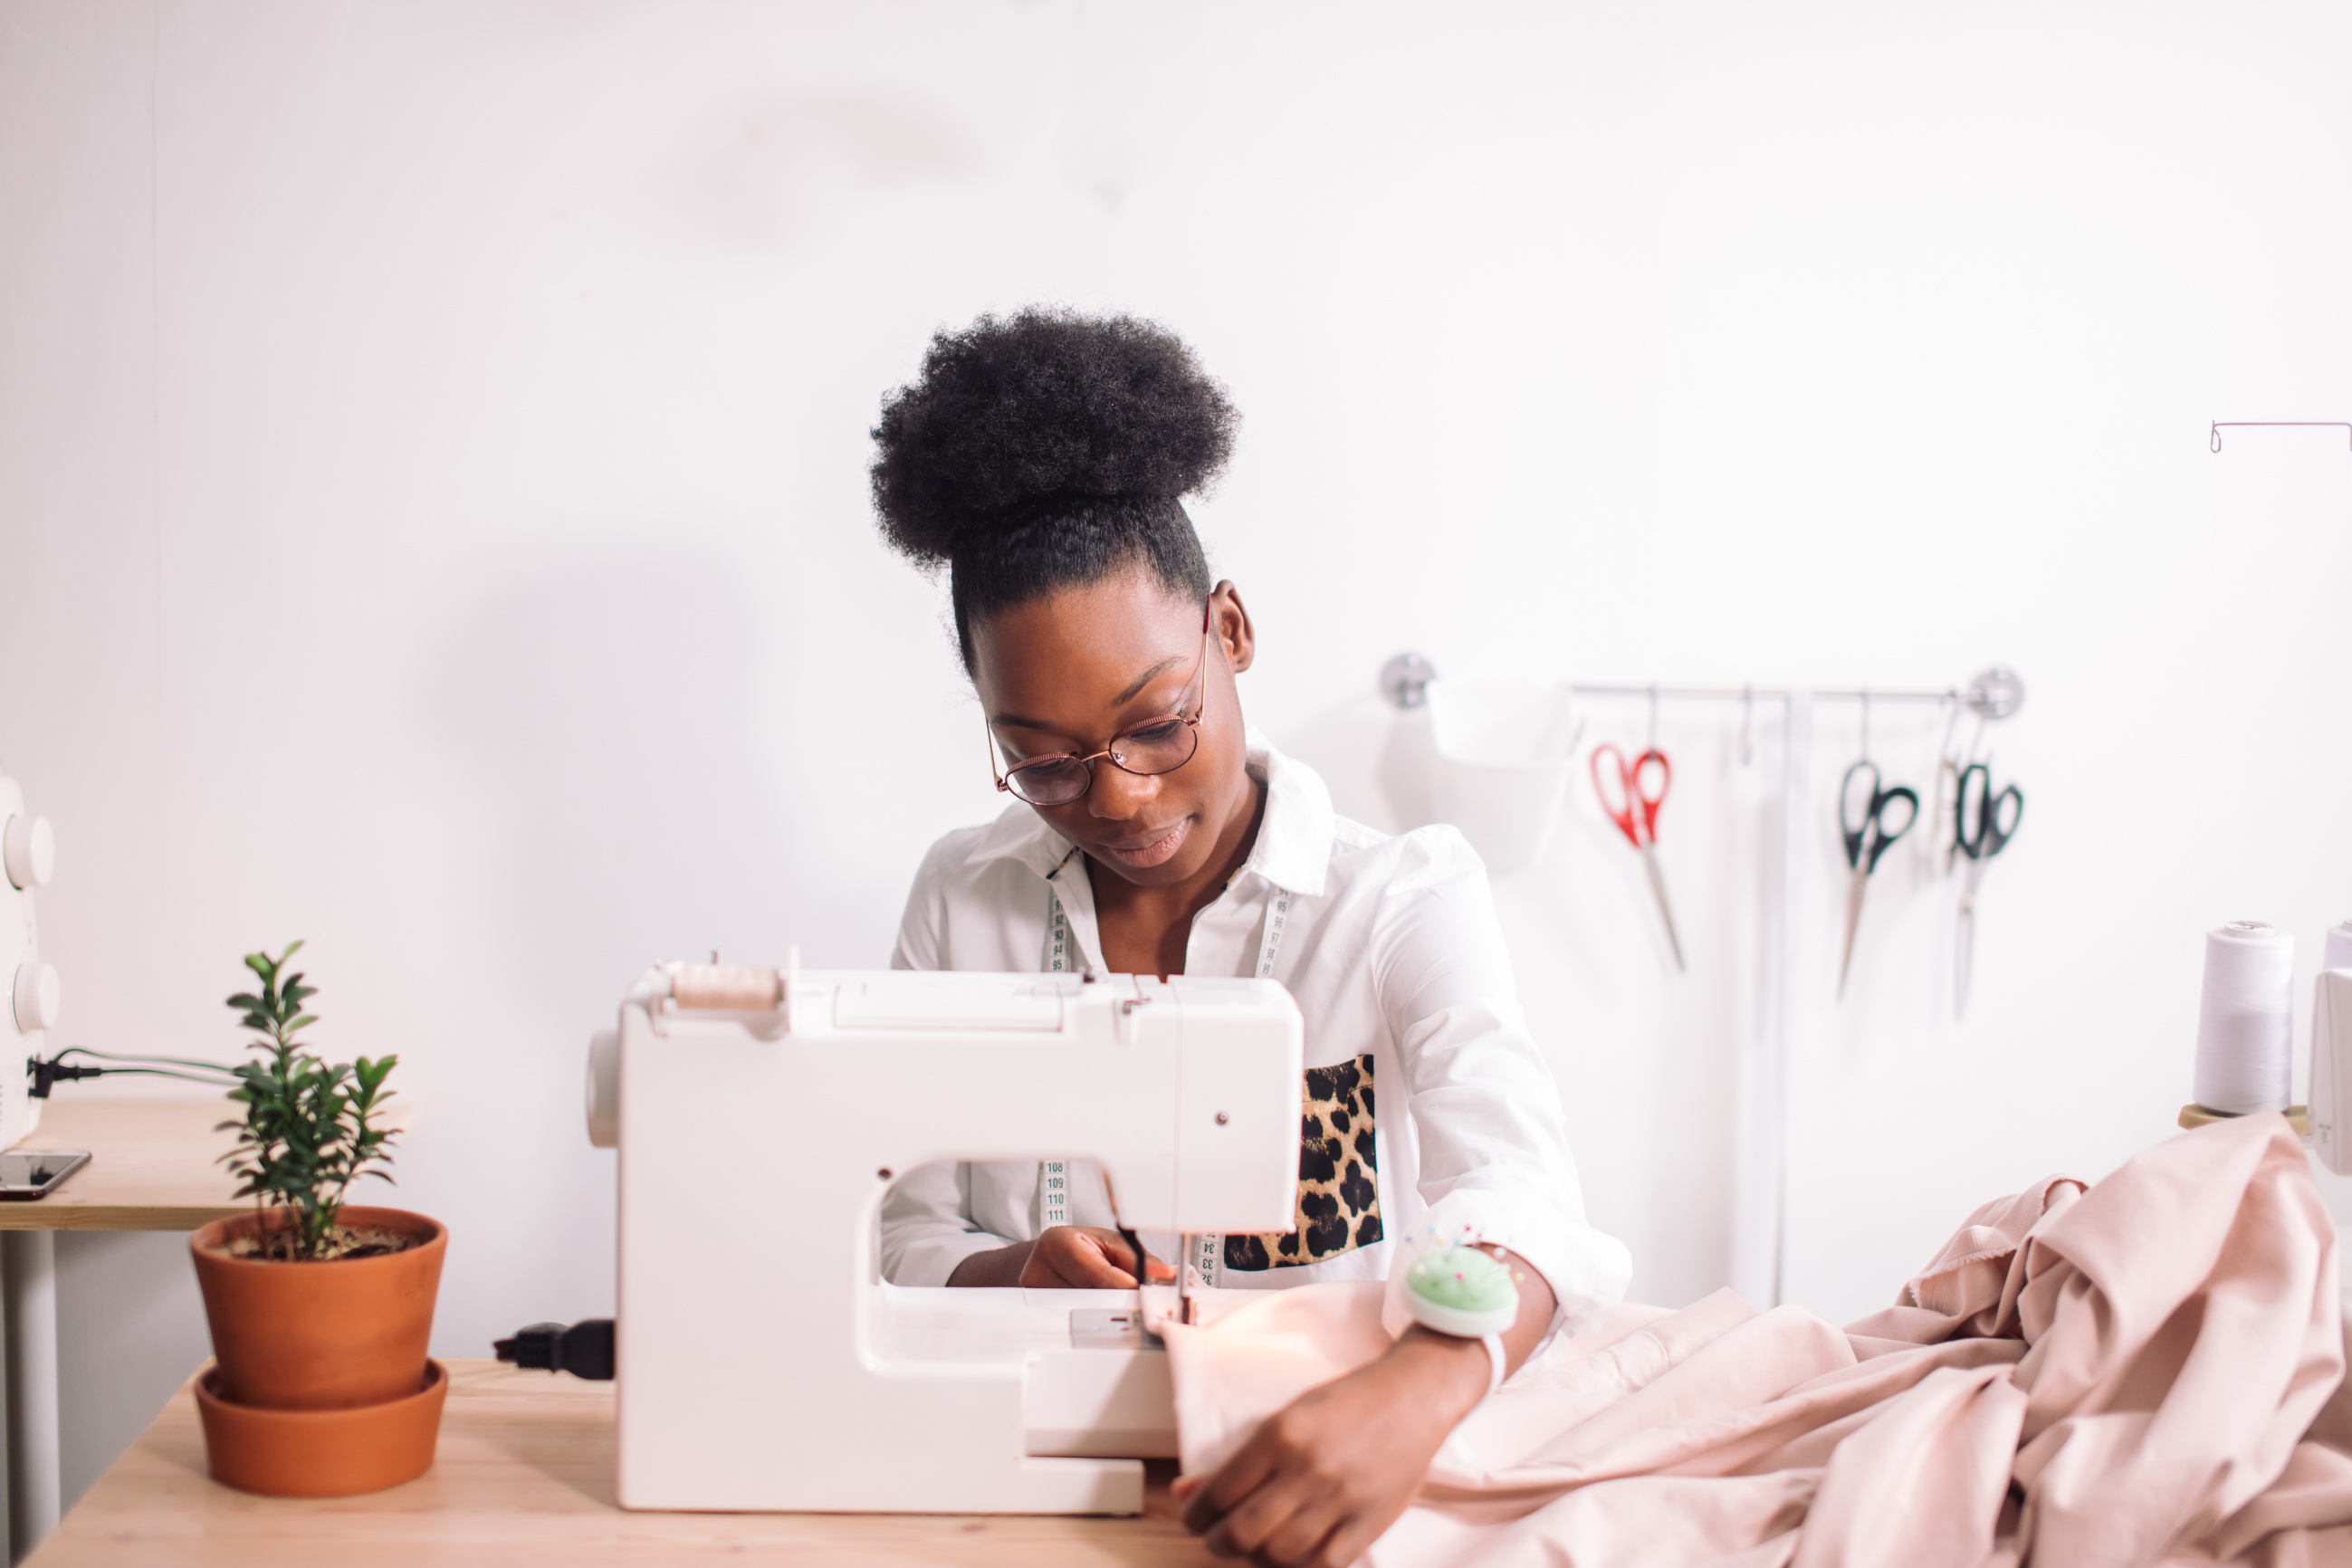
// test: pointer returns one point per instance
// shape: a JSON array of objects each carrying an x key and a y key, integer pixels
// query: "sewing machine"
[
  {"x": 27, "y": 855},
  {"x": 763, "y": 1363}
]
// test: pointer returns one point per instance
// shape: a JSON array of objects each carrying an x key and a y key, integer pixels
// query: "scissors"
[
  {"x": 1635, "y": 814},
  {"x": 1866, "y": 841},
  {"x": 1979, "y": 836}
]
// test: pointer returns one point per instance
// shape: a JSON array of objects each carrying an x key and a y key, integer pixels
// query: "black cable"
[
  {"x": 44, "y": 1075},
  {"x": 583, "y": 1350},
  {"x": 47, "y": 1075},
  {"x": 175, "y": 1061}
]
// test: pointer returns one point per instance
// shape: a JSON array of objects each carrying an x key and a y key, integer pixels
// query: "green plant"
[{"x": 309, "y": 1128}]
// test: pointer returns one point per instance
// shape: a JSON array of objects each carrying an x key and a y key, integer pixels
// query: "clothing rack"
[
  {"x": 1992, "y": 694},
  {"x": 2214, "y": 440},
  {"x": 1759, "y": 1217},
  {"x": 1772, "y": 693}
]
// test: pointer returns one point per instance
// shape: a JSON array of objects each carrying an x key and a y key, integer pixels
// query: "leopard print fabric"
[{"x": 1339, "y": 1182}]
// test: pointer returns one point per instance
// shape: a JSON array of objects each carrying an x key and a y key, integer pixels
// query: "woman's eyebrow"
[
  {"x": 1016, "y": 721},
  {"x": 1146, "y": 679}
]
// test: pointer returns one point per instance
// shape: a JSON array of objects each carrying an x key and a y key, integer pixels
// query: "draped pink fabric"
[{"x": 2146, "y": 1371}]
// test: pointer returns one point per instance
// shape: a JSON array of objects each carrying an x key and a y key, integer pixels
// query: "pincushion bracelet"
[{"x": 1464, "y": 1292}]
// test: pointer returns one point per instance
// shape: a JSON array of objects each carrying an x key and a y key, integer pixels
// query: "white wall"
[{"x": 432, "y": 497}]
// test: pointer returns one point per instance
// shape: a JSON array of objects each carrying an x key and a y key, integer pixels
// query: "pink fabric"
[{"x": 2146, "y": 1371}]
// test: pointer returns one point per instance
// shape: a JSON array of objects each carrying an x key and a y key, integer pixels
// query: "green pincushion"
[{"x": 1461, "y": 1291}]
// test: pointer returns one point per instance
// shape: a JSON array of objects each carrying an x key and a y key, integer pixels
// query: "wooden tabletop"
[
  {"x": 152, "y": 1166},
  {"x": 524, "y": 1476}
]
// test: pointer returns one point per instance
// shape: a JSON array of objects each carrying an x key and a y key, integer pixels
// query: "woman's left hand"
[{"x": 1321, "y": 1478}]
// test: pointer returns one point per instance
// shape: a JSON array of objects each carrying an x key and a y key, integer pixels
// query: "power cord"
[
  {"x": 47, "y": 1075},
  {"x": 583, "y": 1350}
]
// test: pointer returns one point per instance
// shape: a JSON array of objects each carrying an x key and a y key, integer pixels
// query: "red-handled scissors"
[{"x": 1634, "y": 810}]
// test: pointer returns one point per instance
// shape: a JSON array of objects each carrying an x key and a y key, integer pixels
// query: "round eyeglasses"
[{"x": 1159, "y": 747}]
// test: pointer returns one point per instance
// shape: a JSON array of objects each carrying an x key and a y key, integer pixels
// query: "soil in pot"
[
  {"x": 344, "y": 1241},
  {"x": 329, "y": 1335}
]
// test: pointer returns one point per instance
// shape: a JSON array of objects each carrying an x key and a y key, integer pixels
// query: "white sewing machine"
[
  {"x": 28, "y": 854},
  {"x": 762, "y": 1362}
]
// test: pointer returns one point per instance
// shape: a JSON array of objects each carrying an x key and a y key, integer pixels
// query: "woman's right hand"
[
  {"x": 1066, "y": 1257},
  {"x": 1085, "y": 1257}
]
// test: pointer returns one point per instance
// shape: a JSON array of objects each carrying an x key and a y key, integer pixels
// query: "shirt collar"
[{"x": 1293, "y": 840}]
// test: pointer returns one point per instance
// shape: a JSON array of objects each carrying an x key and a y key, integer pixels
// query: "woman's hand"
[
  {"x": 1316, "y": 1483},
  {"x": 1321, "y": 1478},
  {"x": 1065, "y": 1257},
  {"x": 1087, "y": 1257}
]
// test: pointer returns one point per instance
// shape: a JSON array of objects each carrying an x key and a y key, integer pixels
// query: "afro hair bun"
[{"x": 1015, "y": 418}]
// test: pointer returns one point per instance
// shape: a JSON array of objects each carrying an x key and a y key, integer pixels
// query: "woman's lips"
[{"x": 1152, "y": 851}]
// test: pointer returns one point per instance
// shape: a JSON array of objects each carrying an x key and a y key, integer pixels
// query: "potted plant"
[{"x": 320, "y": 1310}]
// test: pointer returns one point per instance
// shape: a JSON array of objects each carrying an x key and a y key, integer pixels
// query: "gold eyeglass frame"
[{"x": 1198, "y": 704}]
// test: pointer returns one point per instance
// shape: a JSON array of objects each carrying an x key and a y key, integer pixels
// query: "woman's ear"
[{"x": 1231, "y": 623}]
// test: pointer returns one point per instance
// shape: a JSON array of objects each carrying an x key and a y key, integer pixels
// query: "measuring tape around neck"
[
  {"x": 1054, "y": 1175},
  {"x": 1207, "y": 1258},
  {"x": 1061, "y": 945},
  {"x": 1277, "y": 921}
]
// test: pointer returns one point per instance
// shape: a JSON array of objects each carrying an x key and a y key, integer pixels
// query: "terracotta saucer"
[{"x": 323, "y": 1452}]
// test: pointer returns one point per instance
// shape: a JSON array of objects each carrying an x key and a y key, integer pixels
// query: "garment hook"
[
  {"x": 1746, "y": 725},
  {"x": 1651, "y": 744}
]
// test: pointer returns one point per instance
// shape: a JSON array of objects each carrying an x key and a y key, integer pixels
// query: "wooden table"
[
  {"x": 525, "y": 1476},
  {"x": 153, "y": 1165}
]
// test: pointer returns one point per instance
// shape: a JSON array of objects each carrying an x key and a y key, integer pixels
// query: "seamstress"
[{"x": 1041, "y": 459}]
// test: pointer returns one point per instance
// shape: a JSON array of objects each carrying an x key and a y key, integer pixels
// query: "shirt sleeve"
[
  {"x": 927, "y": 1229},
  {"x": 1486, "y": 1109},
  {"x": 926, "y": 1224},
  {"x": 919, "y": 928}
]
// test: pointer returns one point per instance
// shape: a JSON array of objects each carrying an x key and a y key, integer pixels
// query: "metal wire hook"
[
  {"x": 1746, "y": 725},
  {"x": 1865, "y": 723},
  {"x": 1651, "y": 744},
  {"x": 2343, "y": 424}
]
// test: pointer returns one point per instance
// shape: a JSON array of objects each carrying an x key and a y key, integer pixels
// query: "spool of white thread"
[
  {"x": 2245, "y": 1019},
  {"x": 2337, "y": 951}
]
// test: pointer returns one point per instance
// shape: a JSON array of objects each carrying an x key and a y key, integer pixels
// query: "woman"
[{"x": 1040, "y": 459}]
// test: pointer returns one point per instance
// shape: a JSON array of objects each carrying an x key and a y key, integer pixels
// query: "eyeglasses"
[{"x": 1159, "y": 747}]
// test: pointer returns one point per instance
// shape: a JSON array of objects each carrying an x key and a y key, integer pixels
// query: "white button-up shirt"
[{"x": 1431, "y": 1112}]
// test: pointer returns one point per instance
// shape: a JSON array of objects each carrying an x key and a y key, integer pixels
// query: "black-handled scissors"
[
  {"x": 1868, "y": 836},
  {"x": 1983, "y": 820}
]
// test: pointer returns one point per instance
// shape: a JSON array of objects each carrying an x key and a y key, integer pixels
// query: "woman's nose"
[{"x": 1119, "y": 794}]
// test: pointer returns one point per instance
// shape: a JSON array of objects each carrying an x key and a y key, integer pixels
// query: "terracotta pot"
[
  {"x": 323, "y": 1452},
  {"x": 321, "y": 1336}
]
